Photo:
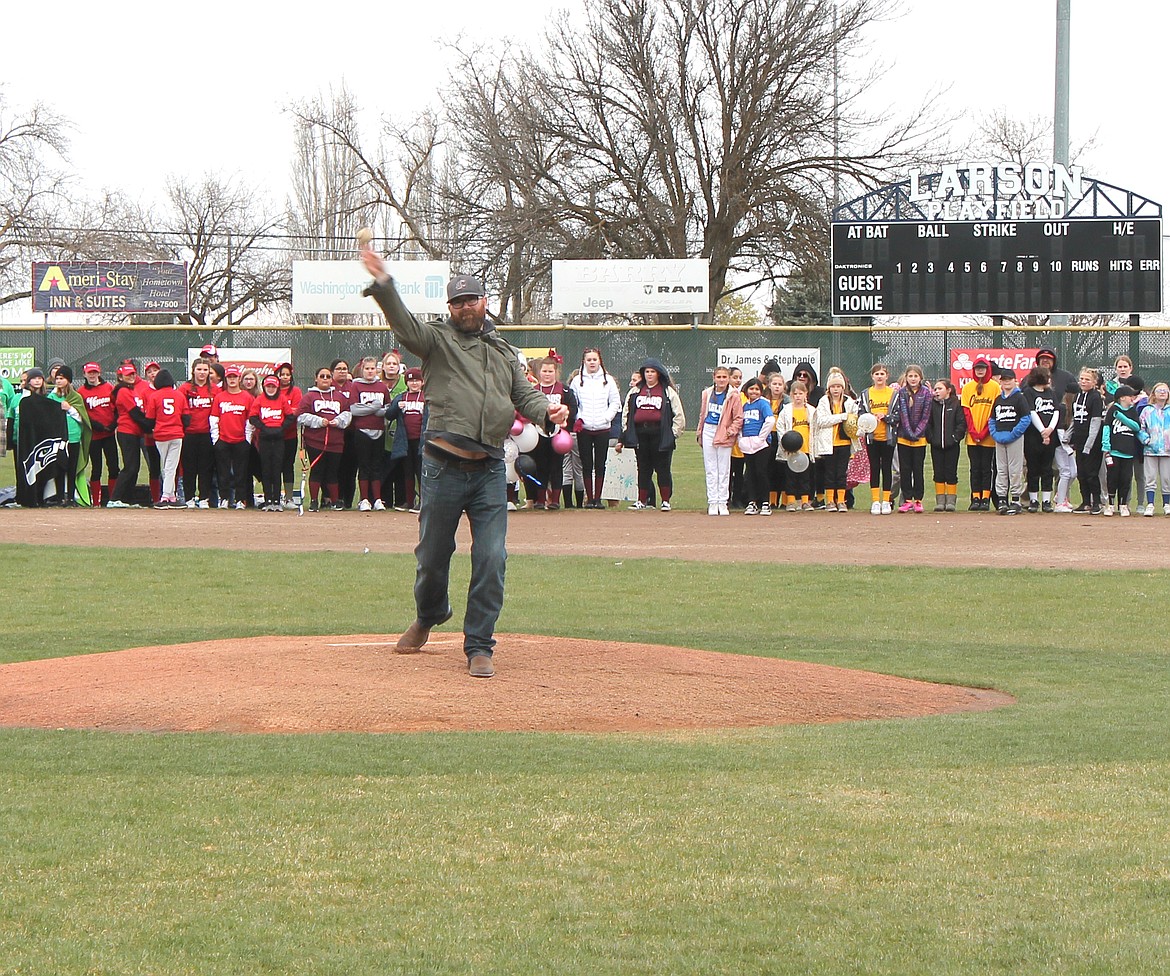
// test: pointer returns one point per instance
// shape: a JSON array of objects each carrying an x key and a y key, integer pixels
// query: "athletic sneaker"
[
  {"x": 906, "y": 507},
  {"x": 918, "y": 507},
  {"x": 722, "y": 510},
  {"x": 665, "y": 507},
  {"x": 1148, "y": 511},
  {"x": 1046, "y": 507},
  {"x": 203, "y": 503},
  {"x": 875, "y": 508},
  {"x": 1107, "y": 510},
  {"x": 339, "y": 506},
  {"x": 402, "y": 508},
  {"x": 379, "y": 505},
  {"x": 414, "y": 510},
  {"x": 712, "y": 509},
  {"x": 313, "y": 507},
  {"x": 1083, "y": 508},
  {"x": 831, "y": 507},
  {"x": 511, "y": 506},
  {"x": 793, "y": 507},
  {"x": 638, "y": 507},
  {"x": 1062, "y": 508},
  {"x": 765, "y": 509},
  {"x": 240, "y": 506},
  {"x": 807, "y": 506},
  {"x": 1096, "y": 510},
  {"x": 191, "y": 503},
  {"x": 887, "y": 508},
  {"x": 162, "y": 503},
  {"x": 1124, "y": 511},
  {"x": 365, "y": 506},
  {"x": 1034, "y": 506},
  {"x": 752, "y": 509}
]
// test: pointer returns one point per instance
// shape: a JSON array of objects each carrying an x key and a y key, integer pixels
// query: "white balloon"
[
  {"x": 527, "y": 439},
  {"x": 511, "y": 452}
]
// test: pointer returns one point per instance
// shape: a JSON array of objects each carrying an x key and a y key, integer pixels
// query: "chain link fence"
[{"x": 689, "y": 354}]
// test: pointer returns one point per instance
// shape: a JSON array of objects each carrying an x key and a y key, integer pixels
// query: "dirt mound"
[{"x": 357, "y": 683}]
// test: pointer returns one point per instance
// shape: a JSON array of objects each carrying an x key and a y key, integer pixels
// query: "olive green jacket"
[{"x": 474, "y": 382}]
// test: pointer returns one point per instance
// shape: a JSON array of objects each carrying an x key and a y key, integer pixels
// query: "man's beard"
[{"x": 467, "y": 319}]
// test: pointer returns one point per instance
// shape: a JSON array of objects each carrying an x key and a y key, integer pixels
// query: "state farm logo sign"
[
  {"x": 630, "y": 287},
  {"x": 963, "y": 362}
]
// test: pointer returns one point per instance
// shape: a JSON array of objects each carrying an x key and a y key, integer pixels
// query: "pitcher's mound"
[{"x": 358, "y": 684}]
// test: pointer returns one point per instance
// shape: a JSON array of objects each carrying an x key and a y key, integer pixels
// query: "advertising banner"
[
  {"x": 14, "y": 361},
  {"x": 335, "y": 287},
  {"x": 630, "y": 287},
  {"x": 751, "y": 361},
  {"x": 110, "y": 286},
  {"x": 963, "y": 361},
  {"x": 260, "y": 359}
]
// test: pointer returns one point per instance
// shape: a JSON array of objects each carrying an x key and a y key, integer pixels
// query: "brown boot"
[
  {"x": 416, "y": 635},
  {"x": 480, "y": 666}
]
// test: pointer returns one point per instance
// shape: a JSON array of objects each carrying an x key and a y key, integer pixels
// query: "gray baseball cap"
[{"x": 462, "y": 285}]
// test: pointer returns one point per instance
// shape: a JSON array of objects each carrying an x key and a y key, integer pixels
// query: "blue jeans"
[{"x": 449, "y": 490}]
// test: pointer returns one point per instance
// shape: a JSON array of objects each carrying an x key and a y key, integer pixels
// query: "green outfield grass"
[{"x": 1030, "y": 839}]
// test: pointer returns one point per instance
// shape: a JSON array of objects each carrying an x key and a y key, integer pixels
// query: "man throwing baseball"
[{"x": 474, "y": 385}]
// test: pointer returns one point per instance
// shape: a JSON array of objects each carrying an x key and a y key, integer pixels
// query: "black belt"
[{"x": 454, "y": 461}]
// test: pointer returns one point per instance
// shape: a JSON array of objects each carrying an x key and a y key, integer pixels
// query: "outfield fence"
[{"x": 688, "y": 352}]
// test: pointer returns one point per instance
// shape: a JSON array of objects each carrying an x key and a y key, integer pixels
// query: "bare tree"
[
  {"x": 682, "y": 128},
  {"x": 331, "y": 195},
  {"x": 1002, "y": 137},
  {"x": 238, "y": 265},
  {"x": 32, "y": 146}
]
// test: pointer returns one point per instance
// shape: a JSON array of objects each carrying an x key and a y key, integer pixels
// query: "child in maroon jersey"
[
  {"x": 369, "y": 401},
  {"x": 410, "y": 410},
  {"x": 323, "y": 418},
  {"x": 99, "y": 403},
  {"x": 651, "y": 423}
]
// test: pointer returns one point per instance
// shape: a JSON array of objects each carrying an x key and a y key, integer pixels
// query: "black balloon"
[{"x": 791, "y": 441}]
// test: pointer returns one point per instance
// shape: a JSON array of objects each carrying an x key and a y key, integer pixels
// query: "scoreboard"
[{"x": 997, "y": 267}]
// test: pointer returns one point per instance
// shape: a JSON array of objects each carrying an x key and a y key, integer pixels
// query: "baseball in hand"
[{"x": 364, "y": 236}]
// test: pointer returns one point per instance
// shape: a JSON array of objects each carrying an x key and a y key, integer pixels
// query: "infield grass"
[{"x": 1029, "y": 839}]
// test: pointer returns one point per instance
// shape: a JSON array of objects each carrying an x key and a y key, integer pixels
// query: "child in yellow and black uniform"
[
  {"x": 976, "y": 398},
  {"x": 879, "y": 445},
  {"x": 796, "y": 415}
]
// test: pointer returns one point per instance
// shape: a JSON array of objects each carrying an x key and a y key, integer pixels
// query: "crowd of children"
[
  {"x": 767, "y": 445},
  {"x": 804, "y": 446}
]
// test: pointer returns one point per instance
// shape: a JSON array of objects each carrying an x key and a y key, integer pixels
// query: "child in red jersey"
[
  {"x": 270, "y": 415},
  {"x": 130, "y": 432},
  {"x": 166, "y": 410},
  {"x": 98, "y": 395},
  {"x": 292, "y": 397},
  {"x": 198, "y": 457},
  {"x": 228, "y": 423}
]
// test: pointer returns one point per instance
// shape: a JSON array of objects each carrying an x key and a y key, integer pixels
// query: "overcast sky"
[{"x": 155, "y": 90}]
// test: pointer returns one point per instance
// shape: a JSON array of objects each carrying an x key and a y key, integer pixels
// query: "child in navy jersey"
[{"x": 1010, "y": 417}]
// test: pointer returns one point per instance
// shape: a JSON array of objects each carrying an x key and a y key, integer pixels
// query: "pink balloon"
[
  {"x": 562, "y": 442},
  {"x": 517, "y": 426}
]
